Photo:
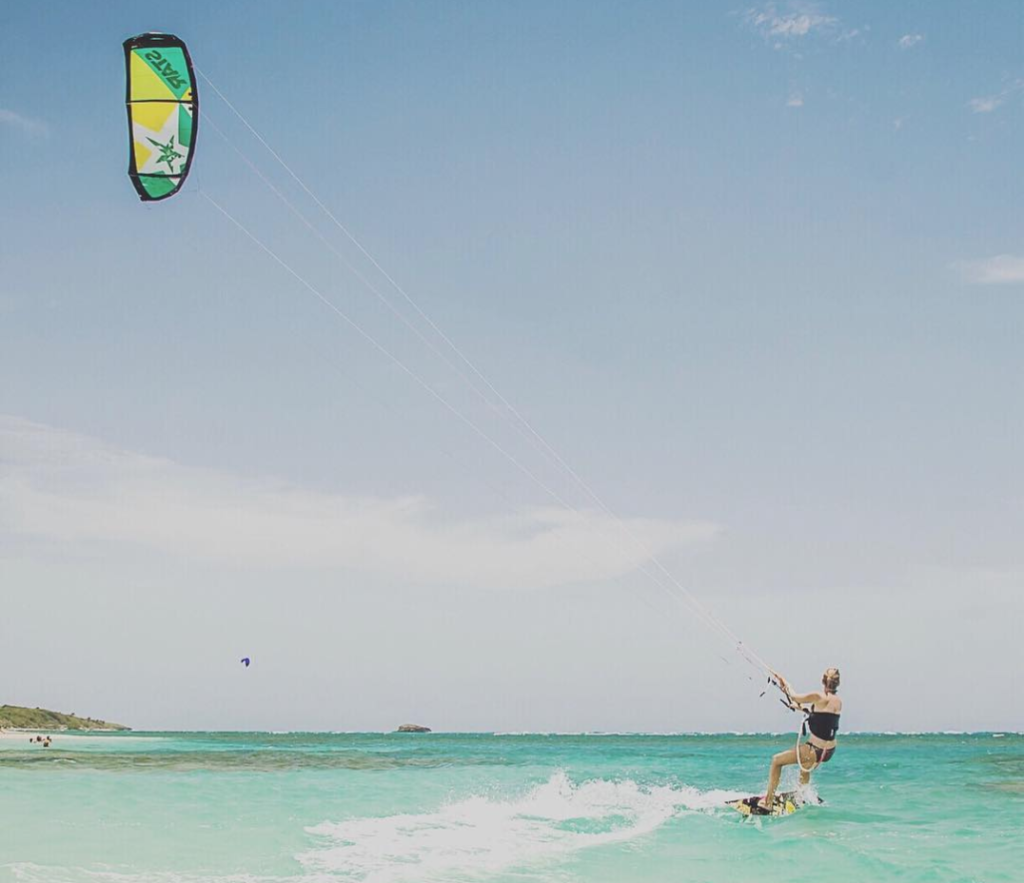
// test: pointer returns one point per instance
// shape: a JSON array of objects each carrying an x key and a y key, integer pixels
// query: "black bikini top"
[{"x": 823, "y": 724}]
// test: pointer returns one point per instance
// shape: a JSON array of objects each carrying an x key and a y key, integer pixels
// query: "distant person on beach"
[{"x": 821, "y": 727}]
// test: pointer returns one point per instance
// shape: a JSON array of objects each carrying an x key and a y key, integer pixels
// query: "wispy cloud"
[
  {"x": 985, "y": 105},
  {"x": 27, "y": 125},
  {"x": 988, "y": 103},
  {"x": 795, "y": 100},
  {"x": 909, "y": 41},
  {"x": 792, "y": 22},
  {"x": 1003, "y": 269},
  {"x": 62, "y": 488},
  {"x": 852, "y": 34}
]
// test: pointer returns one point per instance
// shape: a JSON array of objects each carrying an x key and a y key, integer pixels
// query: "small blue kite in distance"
[{"x": 245, "y": 660}]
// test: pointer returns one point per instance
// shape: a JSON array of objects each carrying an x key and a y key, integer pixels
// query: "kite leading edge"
[{"x": 163, "y": 114}]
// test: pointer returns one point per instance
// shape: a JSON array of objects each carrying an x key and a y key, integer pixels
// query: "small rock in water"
[{"x": 413, "y": 728}]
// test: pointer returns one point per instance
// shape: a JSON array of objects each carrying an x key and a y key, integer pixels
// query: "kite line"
[{"x": 504, "y": 408}]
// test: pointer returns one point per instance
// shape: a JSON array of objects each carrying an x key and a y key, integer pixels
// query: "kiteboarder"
[{"x": 820, "y": 727}]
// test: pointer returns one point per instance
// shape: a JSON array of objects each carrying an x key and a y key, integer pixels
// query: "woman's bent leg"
[{"x": 782, "y": 759}]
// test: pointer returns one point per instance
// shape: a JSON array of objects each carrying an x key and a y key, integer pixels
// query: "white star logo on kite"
[{"x": 168, "y": 155}]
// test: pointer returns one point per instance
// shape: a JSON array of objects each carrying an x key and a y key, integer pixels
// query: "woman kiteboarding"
[{"x": 820, "y": 727}]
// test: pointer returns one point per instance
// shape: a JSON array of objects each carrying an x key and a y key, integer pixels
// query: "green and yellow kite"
[{"x": 163, "y": 114}]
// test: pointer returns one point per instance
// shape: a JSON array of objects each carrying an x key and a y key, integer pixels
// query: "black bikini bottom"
[{"x": 824, "y": 755}]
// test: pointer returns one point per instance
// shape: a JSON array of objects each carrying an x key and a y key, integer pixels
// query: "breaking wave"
[{"x": 482, "y": 836}]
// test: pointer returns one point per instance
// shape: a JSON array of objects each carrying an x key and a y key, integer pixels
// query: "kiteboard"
[{"x": 786, "y": 803}]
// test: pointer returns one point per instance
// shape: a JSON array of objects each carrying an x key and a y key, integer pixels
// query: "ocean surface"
[{"x": 237, "y": 807}]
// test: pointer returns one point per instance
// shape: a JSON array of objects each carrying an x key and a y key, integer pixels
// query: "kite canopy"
[
  {"x": 245, "y": 660},
  {"x": 163, "y": 114}
]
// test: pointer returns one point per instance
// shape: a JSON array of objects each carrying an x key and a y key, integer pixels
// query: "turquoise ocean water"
[{"x": 238, "y": 807}]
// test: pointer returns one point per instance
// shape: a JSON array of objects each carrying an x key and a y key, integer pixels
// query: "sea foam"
[{"x": 480, "y": 835}]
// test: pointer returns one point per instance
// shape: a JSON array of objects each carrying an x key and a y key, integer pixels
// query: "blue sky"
[{"x": 755, "y": 271}]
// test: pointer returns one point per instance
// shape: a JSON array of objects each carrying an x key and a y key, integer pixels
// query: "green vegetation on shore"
[{"x": 41, "y": 719}]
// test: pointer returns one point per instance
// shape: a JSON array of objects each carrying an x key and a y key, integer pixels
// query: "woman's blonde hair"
[{"x": 831, "y": 679}]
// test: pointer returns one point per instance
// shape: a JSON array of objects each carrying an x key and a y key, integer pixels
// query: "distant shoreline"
[
  {"x": 10, "y": 733},
  {"x": 20, "y": 717}
]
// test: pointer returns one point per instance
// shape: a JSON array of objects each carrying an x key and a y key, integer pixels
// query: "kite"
[
  {"x": 163, "y": 114},
  {"x": 245, "y": 660}
]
